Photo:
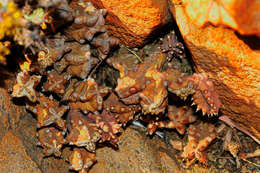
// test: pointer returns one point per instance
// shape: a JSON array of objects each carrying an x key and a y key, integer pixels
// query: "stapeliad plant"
[{"x": 73, "y": 109}]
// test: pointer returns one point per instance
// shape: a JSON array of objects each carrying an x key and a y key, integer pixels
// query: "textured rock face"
[
  {"x": 13, "y": 156},
  {"x": 18, "y": 150},
  {"x": 10, "y": 114},
  {"x": 133, "y": 21},
  {"x": 231, "y": 62},
  {"x": 241, "y": 15},
  {"x": 136, "y": 153}
]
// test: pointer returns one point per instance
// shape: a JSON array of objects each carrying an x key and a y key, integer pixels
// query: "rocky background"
[{"x": 220, "y": 39}]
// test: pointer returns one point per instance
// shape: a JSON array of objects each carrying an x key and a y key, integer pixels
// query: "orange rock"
[
  {"x": 168, "y": 163},
  {"x": 10, "y": 113},
  {"x": 136, "y": 153},
  {"x": 14, "y": 157},
  {"x": 241, "y": 15},
  {"x": 233, "y": 64},
  {"x": 133, "y": 21}
]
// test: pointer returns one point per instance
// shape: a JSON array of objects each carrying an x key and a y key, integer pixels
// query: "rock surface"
[
  {"x": 18, "y": 150},
  {"x": 10, "y": 113},
  {"x": 136, "y": 153},
  {"x": 13, "y": 156},
  {"x": 241, "y": 15},
  {"x": 134, "y": 21},
  {"x": 26, "y": 131},
  {"x": 232, "y": 61}
]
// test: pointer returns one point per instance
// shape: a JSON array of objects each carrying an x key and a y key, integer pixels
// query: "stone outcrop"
[
  {"x": 134, "y": 21},
  {"x": 232, "y": 61},
  {"x": 136, "y": 153},
  {"x": 10, "y": 113},
  {"x": 13, "y": 156},
  {"x": 241, "y": 15}
]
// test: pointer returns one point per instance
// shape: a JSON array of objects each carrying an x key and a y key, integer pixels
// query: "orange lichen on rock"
[
  {"x": 241, "y": 15},
  {"x": 227, "y": 58},
  {"x": 199, "y": 138},
  {"x": 133, "y": 21}
]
